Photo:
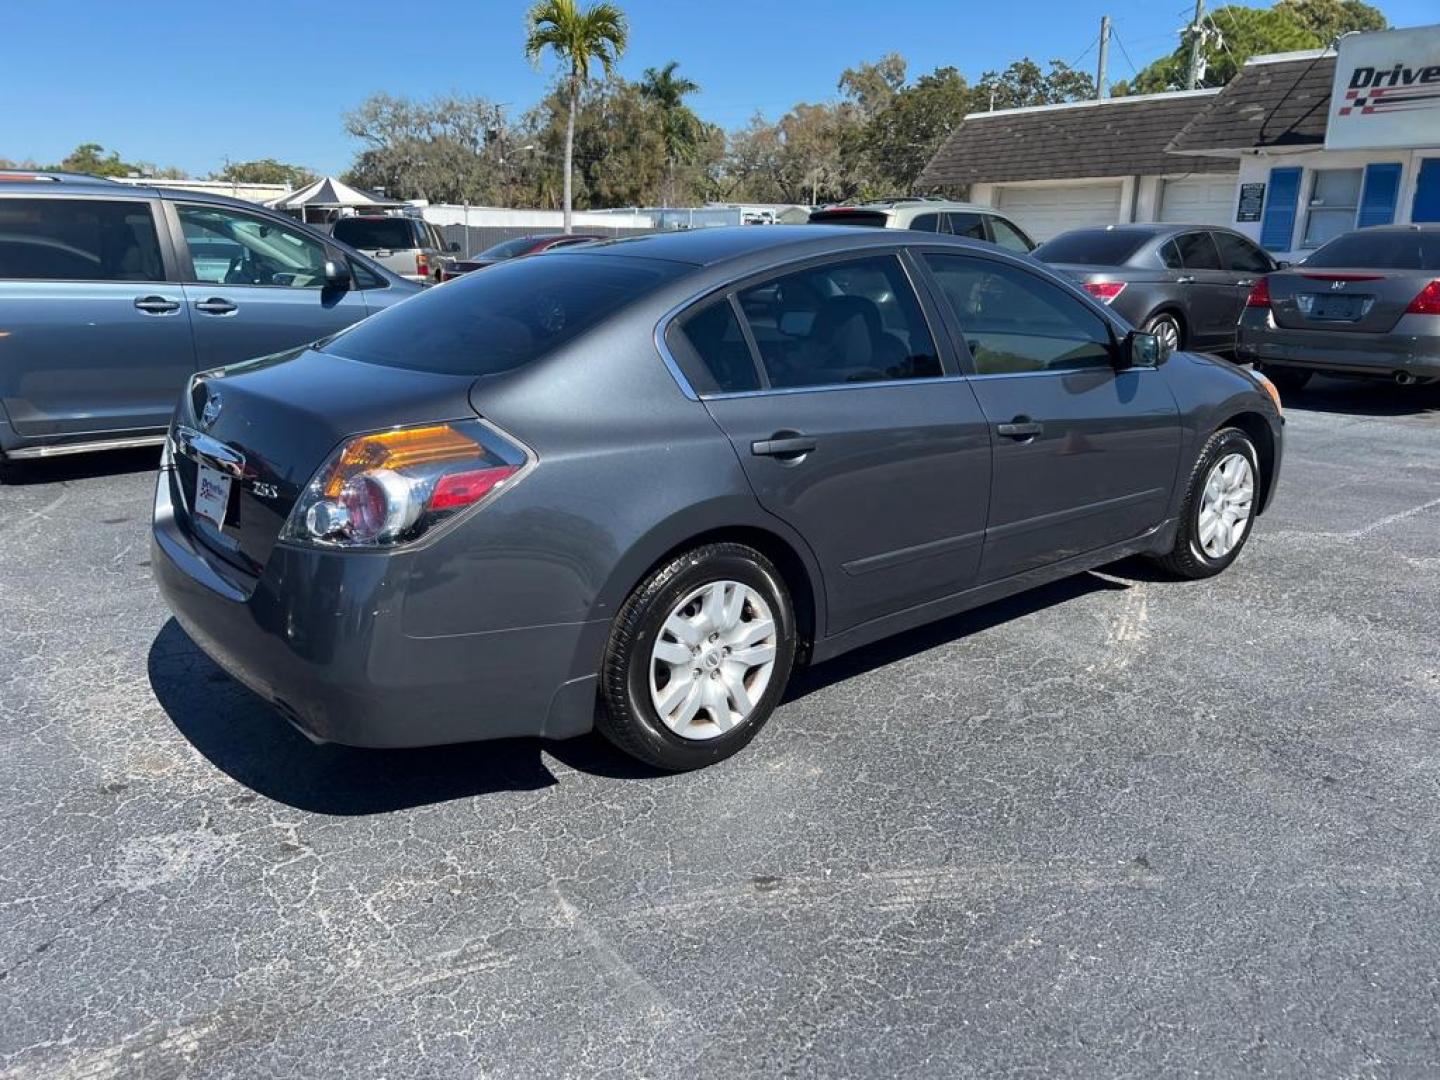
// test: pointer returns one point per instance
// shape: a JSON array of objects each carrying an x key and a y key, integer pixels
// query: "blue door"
[{"x": 1427, "y": 191}]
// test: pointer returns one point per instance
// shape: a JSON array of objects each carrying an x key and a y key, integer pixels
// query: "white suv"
[{"x": 930, "y": 215}]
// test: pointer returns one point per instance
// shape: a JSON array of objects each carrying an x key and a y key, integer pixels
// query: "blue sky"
[{"x": 193, "y": 83}]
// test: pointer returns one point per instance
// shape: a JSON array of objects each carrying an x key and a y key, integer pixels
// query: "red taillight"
[
  {"x": 1104, "y": 291},
  {"x": 1427, "y": 302},
  {"x": 465, "y": 488},
  {"x": 422, "y": 264},
  {"x": 1259, "y": 295}
]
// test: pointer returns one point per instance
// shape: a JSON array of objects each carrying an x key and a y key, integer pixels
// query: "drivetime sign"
[{"x": 1386, "y": 91}]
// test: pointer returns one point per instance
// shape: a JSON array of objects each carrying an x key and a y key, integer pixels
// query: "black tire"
[
  {"x": 1157, "y": 324},
  {"x": 1287, "y": 380},
  {"x": 628, "y": 717},
  {"x": 1188, "y": 558}
]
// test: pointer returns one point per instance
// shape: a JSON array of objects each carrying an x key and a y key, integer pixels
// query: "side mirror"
[
  {"x": 1140, "y": 350},
  {"x": 454, "y": 247},
  {"x": 337, "y": 274},
  {"x": 1283, "y": 264}
]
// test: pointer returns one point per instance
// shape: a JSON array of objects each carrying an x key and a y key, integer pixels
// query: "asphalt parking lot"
[{"x": 1120, "y": 826}]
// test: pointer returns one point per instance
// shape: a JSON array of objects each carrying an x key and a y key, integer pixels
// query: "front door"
[
  {"x": 95, "y": 342},
  {"x": 1084, "y": 456},
  {"x": 256, "y": 285},
  {"x": 852, "y": 433}
]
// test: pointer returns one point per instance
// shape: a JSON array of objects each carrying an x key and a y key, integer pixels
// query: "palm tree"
[
  {"x": 680, "y": 126},
  {"x": 575, "y": 36}
]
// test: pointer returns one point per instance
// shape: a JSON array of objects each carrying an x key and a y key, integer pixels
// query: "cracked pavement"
[{"x": 1118, "y": 826}]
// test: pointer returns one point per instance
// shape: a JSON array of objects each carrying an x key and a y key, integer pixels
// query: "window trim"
[
  {"x": 949, "y": 357},
  {"x": 169, "y": 260}
]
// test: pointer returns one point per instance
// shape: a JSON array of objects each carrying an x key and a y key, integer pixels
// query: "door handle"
[
  {"x": 1246, "y": 282},
  {"x": 1022, "y": 428},
  {"x": 782, "y": 445},
  {"x": 1185, "y": 279},
  {"x": 156, "y": 305},
  {"x": 216, "y": 305}
]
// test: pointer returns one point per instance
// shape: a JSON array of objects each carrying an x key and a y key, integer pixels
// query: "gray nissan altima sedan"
[{"x": 635, "y": 485}]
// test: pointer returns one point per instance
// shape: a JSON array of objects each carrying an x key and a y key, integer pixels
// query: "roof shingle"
[{"x": 1276, "y": 103}]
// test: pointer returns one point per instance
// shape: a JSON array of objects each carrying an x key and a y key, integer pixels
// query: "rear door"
[
  {"x": 1085, "y": 456},
  {"x": 1246, "y": 264},
  {"x": 255, "y": 285},
  {"x": 1207, "y": 290},
  {"x": 828, "y": 381},
  {"x": 96, "y": 333}
]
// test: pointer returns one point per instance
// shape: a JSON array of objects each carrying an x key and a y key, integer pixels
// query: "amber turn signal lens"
[
  {"x": 395, "y": 450},
  {"x": 1269, "y": 388}
]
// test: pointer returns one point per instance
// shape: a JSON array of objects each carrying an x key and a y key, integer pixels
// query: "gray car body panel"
[
  {"x": 498, "y": 625},
  {"x": 85, "y": 369}
]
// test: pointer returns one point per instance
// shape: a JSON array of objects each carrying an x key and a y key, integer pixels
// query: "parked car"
[
  {"x": 1186, "y": 284},
  {"x": 1367, "y": 304},
  {"x": 930, "y": 215},
  {"x": 407, "y": 246},
  {"x": 657, "y": 475},
  {"x": 515, "y": 247},
  {"x": 112, "y": 296}
]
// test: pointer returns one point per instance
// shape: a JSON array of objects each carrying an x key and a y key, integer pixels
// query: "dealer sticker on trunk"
[{"x": 212, "y": 495}]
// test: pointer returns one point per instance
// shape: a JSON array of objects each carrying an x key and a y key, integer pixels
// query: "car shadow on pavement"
[
  {"x": 56, "y": 470},
  {"x": 242, "y": 736},
  {"x": 1363, "y": 397}
]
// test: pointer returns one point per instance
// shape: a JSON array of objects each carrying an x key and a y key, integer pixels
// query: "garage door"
[
  {"x": 1206, "y": 200},
  {"x": 1050, "y": 211}
]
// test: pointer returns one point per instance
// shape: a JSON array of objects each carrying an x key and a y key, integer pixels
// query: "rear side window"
[
  {"x": 926, "y": 223},
  {"x": 1198, "y": 251},
  {"x": 845, "y": 322},
  {"x": 1239, "y": 254},
  {"x": 1407, "y": 249},
  {"x": 370, "y": 234},
  {"x": 1092, "y": 247},
  {"x": 1014, "y": 321},
  {"x": 78, "y": 240},
  {"x": 970, "y": 226},
  {"x": 711, "y": 347},
  {"x": 512, "y": 314},
  {"x": 1170, "y": 256}
]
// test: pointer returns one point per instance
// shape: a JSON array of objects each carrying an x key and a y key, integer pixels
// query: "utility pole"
[
  {"x": 1100, "y": 93},
  {"x": 1197, "y": 36}
]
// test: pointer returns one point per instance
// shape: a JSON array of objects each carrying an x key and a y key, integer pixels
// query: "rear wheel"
[
  {"x": 698, "y": 658},
  {"x": 1221, "y": 500},
  {"x": 1286, "y": 379},
  {"x": 1167, "y": 328}
]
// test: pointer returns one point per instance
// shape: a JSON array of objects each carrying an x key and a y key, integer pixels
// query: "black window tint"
[
  {"x": 926, "y": 223},
  {"x": 853, "y": 321},
  {"x": 1093, "y": 247},
  {"x": 372, "y": 234},
  {"x": 1239, "y": 254},
  {"x": 1170, "y": 256},
  {"x": 1014, "y": 321},
  {"x": 711, "y": 347},
  {"x": 1388, "y": 249},
  {"x": 513, "y": 313},
  {"x": 1010, "y": 237},
  {"x": 1198, "y": 251},
  {"x": 971, "y": 226},
  {"x": 78, "y": 240},
  {"x": 365, "y": 278}
]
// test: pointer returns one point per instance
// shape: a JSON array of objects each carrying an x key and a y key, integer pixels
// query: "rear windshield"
[
  {"x": 1096, "y": 247},
  {"x": 849, "y": 217},
  {"x": 1398, "y": 250},
  {"x": 510, "y": 315},
  {"x": 372, "y": 233},
  {"x": 508, "y": 249}
]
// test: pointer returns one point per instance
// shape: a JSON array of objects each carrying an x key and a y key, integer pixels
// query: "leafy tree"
[
  {"x": 264, "y": 171},
  {"x": 904, "y": 137},
  {"x": 1024, "y": 84},
  {"x": 575, "y": 36},
  {"x": 91, "y": 158},
  {"x": 1328, "y": 19},
  {"x": 682, "y": 129},
  {"x": 873, "y": 87}
]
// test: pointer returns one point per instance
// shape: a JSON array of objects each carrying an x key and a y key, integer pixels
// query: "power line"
[{"x": 1124, "y": 51}]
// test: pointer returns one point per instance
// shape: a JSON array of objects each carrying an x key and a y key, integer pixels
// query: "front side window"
[
  {"x": 1240, "y": 254},
  {"x": 78, "y": 240},
  {"x": 1334, "y": 201},
  {"x": 846, "y": 322},
  {"x": 231, "y": 247},
  {"x": 1009, "y": 237},
  {"x": 712, "y": 349},
  {"x": 1014, "y": 321},
  {"x": 1198, "y": 251}
]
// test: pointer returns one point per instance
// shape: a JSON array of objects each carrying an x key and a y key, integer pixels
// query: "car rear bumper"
[
  {"x": 319, "y": 635},
  {"x": 1336, "y": 350}
]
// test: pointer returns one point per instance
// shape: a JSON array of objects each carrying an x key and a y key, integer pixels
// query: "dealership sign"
[{"x": 1387, "y": 91}]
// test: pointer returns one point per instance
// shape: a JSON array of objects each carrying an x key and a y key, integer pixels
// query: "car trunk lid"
[
  {"x": 266, "y": 426},
  {"x": 1365, "y": 301}
]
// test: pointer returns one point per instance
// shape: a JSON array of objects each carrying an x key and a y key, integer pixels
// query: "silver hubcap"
[
  {"x": 713, "y": 660},
  {"x": 1225, "y": 505},
  {"x": 1168, "y": 333}
]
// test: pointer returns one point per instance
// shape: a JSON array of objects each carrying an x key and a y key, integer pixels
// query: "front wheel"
[
  {"x": 1221, "y": 500},
  {"x": 698, "y": 658}
]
